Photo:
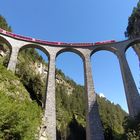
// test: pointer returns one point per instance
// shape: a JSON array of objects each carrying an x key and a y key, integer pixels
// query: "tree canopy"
[
  {"x": 133, "y": 28},
  {"x": 4, "y": 25}
]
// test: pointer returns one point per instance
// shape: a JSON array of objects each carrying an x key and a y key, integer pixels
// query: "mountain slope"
[
  {"x": 18, "y": 114},
  {"x": 70, "y": 101},
  {"x": 19, "y": 111}
]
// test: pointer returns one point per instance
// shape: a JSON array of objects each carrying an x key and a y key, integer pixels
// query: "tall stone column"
[
  {"x": 136, "y": 48},
  {"x": 13, "y": 59},
  {"x": 132, "y": 94},
  {"x": 48, "y": 131},
  {"x": 94, "y": 130}
]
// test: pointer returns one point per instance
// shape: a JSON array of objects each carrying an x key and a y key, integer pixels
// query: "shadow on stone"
[{"x": 95, "y": 124}]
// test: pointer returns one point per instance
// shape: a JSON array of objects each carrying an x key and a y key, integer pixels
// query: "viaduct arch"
[{"x": 94, "y": 127}]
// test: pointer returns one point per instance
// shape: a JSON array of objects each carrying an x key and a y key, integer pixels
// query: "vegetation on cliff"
[
  {"x": 70, "y": 103},
  {"x": 4, "y": 25},
  {"x": 70, "y": 106},
  {"x": 19, "y": 115},
  {"x": 133, "y": 28},
  {"x": 132, "y": 128}
]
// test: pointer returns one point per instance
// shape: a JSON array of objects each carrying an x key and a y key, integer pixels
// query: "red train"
[{"x": 53, "y": 43}]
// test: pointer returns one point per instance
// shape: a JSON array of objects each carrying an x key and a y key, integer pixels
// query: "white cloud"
[{"x": 102, "y": 95}]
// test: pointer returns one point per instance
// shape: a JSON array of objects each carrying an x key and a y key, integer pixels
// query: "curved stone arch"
[
  {"x": 36, "y": 46},
  {"x": 103, "y": 48},
  {"x": 5, "y": 40},
  {"x": 131, "y": 43},
  {"x": 40, "y": 47},
  {"x": 76, "y": 51},
  {"x": 7, "y": 43},
  {"x": 115, "y": 52}
]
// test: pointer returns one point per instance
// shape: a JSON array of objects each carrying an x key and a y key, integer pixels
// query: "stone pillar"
[
  {"x": 13, "y": 59},
  {"x": 48, "y": 131},
  {"x": 132, "y": 94},
  {"x": 136, "y": 48},
  {"x": 94, "y": 130}
]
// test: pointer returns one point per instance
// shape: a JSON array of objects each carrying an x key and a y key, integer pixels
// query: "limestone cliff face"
[{"x": 41, "y": 69}]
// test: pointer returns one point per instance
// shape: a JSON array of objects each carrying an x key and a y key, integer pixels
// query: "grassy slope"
[{"x": 19, "y": 116}]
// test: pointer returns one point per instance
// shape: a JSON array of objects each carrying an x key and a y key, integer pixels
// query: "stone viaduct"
[{"x": 93, "y": 128}]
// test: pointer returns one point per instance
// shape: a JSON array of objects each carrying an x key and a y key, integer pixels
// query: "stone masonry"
[
  {"x": 94, "y": 126},
  {"x": 132, "y": 94}
]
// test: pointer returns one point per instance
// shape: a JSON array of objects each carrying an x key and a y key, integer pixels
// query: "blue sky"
[{"x": 78, "y": 21}]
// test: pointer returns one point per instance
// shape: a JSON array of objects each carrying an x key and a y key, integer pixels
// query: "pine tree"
[{"x": 3, "y": 24}]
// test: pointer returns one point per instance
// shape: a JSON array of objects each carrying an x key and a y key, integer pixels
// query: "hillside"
[
  {"x": 70, "y": 99},
  {"x": 32, "y": 71},
  {"x": 133, "y": 28},
  {"x": 18, "y": 113}
]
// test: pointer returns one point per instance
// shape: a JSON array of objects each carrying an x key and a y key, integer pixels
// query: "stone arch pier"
[{"x": 94, "y": 128}]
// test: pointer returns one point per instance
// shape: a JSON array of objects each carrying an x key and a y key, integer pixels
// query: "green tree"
[
  {"x": 3, "y": 24},
  {"x": 132, "y": 128},
  {"x": 133, "y": 28}
]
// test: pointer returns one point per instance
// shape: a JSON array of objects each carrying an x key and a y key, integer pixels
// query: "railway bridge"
[{"x": 94, "y": 129}]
